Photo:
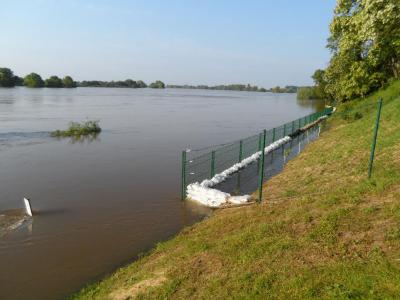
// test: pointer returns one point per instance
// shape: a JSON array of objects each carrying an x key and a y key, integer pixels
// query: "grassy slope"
[{"x": 324, "y": 230}]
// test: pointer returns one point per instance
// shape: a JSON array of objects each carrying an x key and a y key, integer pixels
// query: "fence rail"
[{"x": 219, "y": 158}]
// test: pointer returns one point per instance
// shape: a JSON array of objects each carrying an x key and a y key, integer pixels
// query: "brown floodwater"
[{"x": 98, "y": 203}]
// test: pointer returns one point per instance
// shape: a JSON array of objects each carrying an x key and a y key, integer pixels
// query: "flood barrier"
[{"x": 204, "y": 171}]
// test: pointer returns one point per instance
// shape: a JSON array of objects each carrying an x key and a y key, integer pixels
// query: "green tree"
[
  {"x": 6, "y": 78},
  {"x": 33, "y": 80},
  {"x": 320, "y": 84},
  {"x": 141, "y": 84},
  {"x": 68, "y": 82},
  {"x": 18, "y": 81},
  {"x": 157, "y": 85},
  {"x": 54, "y": 82},
  {"x": 365, "y": 44},
  {"x": 307, "y": 93}
]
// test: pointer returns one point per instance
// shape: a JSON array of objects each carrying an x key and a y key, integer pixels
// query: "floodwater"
[
  {"x": 98, "y": 203},
  {"x": 246, "y": 180}
]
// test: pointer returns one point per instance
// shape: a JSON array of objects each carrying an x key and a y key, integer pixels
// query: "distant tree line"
[
  {"x": 33, "y": 80},
  {"x": 128, "y": 83},
  {"x": 229, "y": 87},
  {"x": 286, "y": 89},
  {"x": 239, "y": 87}
]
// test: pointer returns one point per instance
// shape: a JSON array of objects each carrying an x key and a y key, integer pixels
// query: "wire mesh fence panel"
[
  {"x": 246, "y": 180},
  {"x": 250, "y": 145},
  {"x": 214, "y": 160},
  {"x": 227, "y": 156}
]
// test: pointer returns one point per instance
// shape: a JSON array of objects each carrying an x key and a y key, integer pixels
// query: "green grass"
[
  {"x": 323, "y": 231},
  {"x": 76, "y": 129}
]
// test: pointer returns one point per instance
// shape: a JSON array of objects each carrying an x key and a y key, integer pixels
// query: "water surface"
[{"x": 101, "y": 202}]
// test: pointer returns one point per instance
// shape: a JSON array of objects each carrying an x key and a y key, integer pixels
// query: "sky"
[{"x": 261, "y": 42}]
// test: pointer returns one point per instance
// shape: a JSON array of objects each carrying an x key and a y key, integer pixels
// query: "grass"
[
  {"x": 323, "y": 231},
  {"x": 76, "y": 129}
]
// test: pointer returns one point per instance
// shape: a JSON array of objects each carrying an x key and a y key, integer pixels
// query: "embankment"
[{"x": 323, "y": 231}]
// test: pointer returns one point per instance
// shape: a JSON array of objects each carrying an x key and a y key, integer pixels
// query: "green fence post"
[
  {"x": 299, "y": 124},
  {"x": 259, "y": 141},
  {"x": 284, "y": 130},
  {"x": 261, "y": 169},
  {"x": 183, "y": 190},
  {"x": 212, "y": 171},
  {"x": 240, "y": 151},
  {"x": 292, "y": 126},
  {"x": 273, "y": 134},
  {"x": 371, "y": 159}
]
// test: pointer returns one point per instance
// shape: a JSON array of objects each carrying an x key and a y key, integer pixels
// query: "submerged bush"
[{"x": 76, "y": 129}]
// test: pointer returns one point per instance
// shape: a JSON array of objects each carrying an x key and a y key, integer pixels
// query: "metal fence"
[{"x": 221, "y": 157}]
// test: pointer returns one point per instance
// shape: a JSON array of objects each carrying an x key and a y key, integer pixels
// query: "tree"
[
  {"x": 307, "y": 93},
  {"x": 6, "y": 78},
  {"x": 68, "y": 82},
  {"x": 18, "y": 81},
  {"x": 320, "y": 84},
  {"x": 131, "y": 83},
  {"x": 141, "y": 84},
  {"x": 54, "y": 82},
  {"x": 33, "y": 80},
  {"x": 365, "y": 45},
  {"x": 157, "y": 85}
]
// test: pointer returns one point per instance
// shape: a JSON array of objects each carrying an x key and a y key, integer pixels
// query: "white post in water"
[{"x": 28, "y": 209}]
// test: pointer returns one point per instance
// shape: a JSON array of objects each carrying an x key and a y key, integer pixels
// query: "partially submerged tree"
[
  {"x": 54, "y": 82},
  {"x": 68, "y": 82},
  {"x": 7, "y": 78},
  {"x": 33, "y": 80},
  {"x": 18, "y": 81},
  {"x": 157, "y": 85}
]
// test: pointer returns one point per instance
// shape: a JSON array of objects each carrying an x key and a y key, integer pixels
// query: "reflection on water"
[
  {"x": 316, "y": 104},
  {"x": 81, "y": 139},
  {"x": 101, "y": 201}
]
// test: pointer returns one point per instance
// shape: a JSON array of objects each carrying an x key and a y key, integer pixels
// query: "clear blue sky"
[{"x": 263, "y": 42}]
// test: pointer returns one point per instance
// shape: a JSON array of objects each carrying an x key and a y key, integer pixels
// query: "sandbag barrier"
[{"x": 201, "y": 172}]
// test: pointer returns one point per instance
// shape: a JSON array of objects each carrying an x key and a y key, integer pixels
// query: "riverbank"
[{"x": 323, "y": 231}]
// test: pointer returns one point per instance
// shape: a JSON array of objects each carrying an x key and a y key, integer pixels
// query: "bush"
[
  {"x": 308, "y": 93},
  {"x": 76, "y": 129},
  {"x": 157, "y": 85}
]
